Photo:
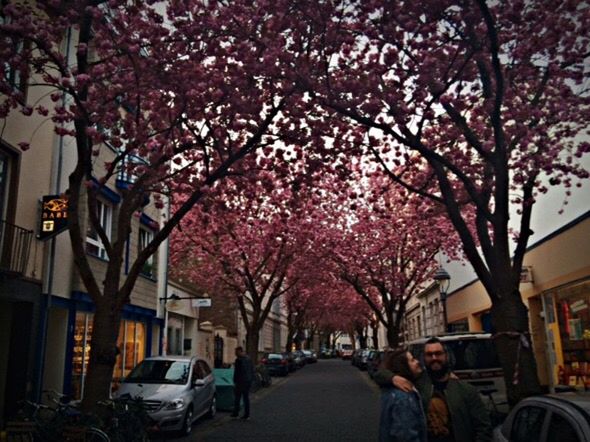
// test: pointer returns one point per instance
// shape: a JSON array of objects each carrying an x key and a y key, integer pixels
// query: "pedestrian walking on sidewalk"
[
  {"x": 402, "y": 415},
  {"x": 243, "y": 378}
]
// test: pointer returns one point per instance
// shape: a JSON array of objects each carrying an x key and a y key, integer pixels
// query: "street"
[{"x": 327, "y": 401}]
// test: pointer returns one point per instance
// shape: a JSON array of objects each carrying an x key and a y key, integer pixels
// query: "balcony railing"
[{"x": 15, "y": 245}]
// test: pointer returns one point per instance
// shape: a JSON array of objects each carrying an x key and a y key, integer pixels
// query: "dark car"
[
  {"x": 291, "y": 363},
  {"x": 356, "y": 357},
  {"x": 299, "y": 358},
  {"x": 374, "y": 361},
  {"x": 310, "y": 356},
  {"x": 277, "y": 364},
  {"x": 547, "y": 418},
  {"x": 364, "y": 359}
]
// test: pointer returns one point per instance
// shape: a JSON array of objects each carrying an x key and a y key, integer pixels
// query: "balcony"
[{"x": 15, "y": 245}]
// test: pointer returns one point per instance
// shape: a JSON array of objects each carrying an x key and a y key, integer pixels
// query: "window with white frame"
[
  {"x": 94, "y": 245},
  {"x": 145, "y": 237}
]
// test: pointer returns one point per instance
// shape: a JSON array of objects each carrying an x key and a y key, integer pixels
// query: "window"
[
  {"x": 527, "y": 425},
  {"x": 131, "y": 344},
  {"x": 81, "y": 352},
  {"x": 94, "y": 245},
  {"x": 145, "y": 237},
  {"x": 561, "y": 430},
  {"x": 13, "y": 75},
  {"x": 4, "y": 170}
]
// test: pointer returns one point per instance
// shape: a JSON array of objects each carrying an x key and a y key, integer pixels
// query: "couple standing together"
[{"x": 431, "y": 406}]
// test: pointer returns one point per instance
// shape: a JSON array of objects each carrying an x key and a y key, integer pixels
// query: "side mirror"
[{"x": 199, "y": 383}]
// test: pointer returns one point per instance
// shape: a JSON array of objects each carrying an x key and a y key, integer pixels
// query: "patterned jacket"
[{"x": 402, "y": 417}]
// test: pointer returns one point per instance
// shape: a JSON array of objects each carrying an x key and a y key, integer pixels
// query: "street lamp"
[{"x": 444, "y": 281}]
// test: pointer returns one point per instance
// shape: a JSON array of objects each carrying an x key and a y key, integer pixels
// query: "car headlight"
[{"x": 175, "y": 404}]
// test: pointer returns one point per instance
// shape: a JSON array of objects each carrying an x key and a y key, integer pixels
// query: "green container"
[{"x": 224, "y": 386}]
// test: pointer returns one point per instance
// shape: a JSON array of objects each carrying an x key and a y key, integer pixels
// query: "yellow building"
[{"x": 557, "y": 293}]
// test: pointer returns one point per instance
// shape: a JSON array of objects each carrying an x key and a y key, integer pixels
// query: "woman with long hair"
[{"x": 402, "y": 415}]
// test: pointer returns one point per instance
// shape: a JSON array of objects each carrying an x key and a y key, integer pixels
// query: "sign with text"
[
  {"x": 203, "y": 302},
  {"x": 54, "y": 216}
]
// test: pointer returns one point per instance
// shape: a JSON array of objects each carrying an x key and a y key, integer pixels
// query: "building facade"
[{"x": 556, "y": 290}]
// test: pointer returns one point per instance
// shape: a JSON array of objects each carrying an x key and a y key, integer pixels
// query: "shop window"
[
  {"x": 94, "y": 244},
  {"x": 131, "y": 345},
  {"x": 573, "y": 315},
  {"x": 81, "y": 352},
  {"x": 145, "y": 237}
]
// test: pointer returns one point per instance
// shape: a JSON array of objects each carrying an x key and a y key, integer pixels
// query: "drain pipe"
[{"x": 48, "y": 282}]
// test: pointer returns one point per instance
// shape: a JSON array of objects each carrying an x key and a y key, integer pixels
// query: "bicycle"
[
  {"x": 262, "y": 378},
  {"x": 61, "y": 422},
  {"x": 127, "y": 420}
]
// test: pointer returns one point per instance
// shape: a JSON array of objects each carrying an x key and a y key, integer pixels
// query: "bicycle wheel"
[
  {"x": 21, "y": 431},
  {"x": 93, "y": 434}
]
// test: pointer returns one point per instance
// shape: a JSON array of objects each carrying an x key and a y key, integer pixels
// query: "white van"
[{"x": 473, "y": 358}]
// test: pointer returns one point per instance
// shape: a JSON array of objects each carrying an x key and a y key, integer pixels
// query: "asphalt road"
[{"x": 327, "y": 401}]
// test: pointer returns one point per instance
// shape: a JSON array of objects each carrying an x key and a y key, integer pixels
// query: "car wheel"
[
  {"x": 212, "y": 408},
  {"x": 187, "y": 426}
]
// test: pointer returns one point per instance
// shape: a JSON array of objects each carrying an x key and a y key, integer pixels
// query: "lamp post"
[{"x": 444, "y": 281}]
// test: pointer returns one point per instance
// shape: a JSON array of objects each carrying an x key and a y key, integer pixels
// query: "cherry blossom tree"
[
  {"x": 491, "y": 95},
  {"x": 385, "y": 248},
  {"x": 165, "y": 99},
  {"x": 247, "y": 249}
]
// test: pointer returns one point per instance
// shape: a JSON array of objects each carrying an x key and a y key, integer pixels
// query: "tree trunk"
[
  {"x": 105, "y": 330},
  {"x": 361, "y": 332},
  {"x": 252, "y": 339},
  {"x": 392, "y": 337},
  {"x": 514, "y": 346},
  {"x": 375, "y": 332}
]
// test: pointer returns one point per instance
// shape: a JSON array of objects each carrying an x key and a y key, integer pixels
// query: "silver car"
[
  {"x": 175, "y": 390},
  {"x": 550, "y": 418}
]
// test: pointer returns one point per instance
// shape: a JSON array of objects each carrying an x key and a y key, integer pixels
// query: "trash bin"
[{"x": 224, "y": 386}]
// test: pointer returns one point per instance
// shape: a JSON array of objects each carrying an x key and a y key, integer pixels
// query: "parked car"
[
  {"x": 277, "y": 364},
  {"x": 374, "y": 361},
  {"x": 363, "y": 358},
  {"x": 548, "y": 418},
  {"x": 356, "y": 356},
  {"x": 473, "y": 358},
  {"x": 299, "y": 358},
  {"x": 291, "y": 363},
  {"x": 175, "y": 390},
  {"x": 310, "y": 356}
]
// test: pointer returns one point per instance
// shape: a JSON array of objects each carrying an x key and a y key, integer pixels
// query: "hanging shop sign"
[{"x": 54, "y": 216}]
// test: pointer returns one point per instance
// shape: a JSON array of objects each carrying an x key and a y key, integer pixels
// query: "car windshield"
[
  {"x": 346, "y": 346},
  {"x": 160, "y": 372},
  {"x": 467, "y": 354},
  {"x": 274, "y": 356}
]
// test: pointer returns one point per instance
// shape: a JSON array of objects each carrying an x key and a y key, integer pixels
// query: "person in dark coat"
[
  {"x": 243, "y": 378},
  {"x": 402, "y": 415}
]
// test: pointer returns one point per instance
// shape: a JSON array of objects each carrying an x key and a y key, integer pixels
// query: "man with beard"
[{"x": 455, "y": 411}]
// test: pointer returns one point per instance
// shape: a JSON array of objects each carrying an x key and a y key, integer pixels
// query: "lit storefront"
[
  {"x": 133, "y": 344},
  {"x": 567, "y": 319}
]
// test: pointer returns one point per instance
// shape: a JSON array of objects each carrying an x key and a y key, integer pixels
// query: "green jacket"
[{"x": 469, "y": 417}]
